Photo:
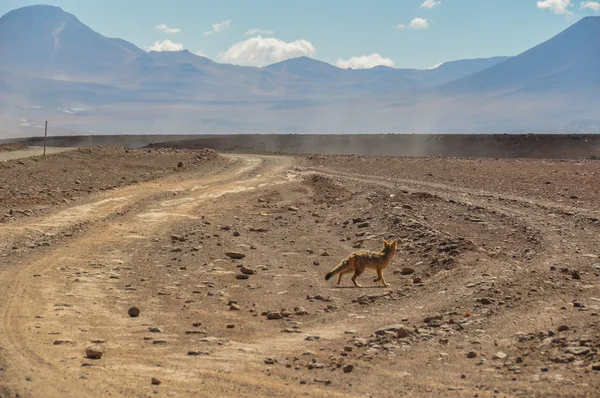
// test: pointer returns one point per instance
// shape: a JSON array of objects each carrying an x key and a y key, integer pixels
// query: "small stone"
[
  {"x": 417, "y": 280},
  {"x": 242, "y": 276},
  {"x": 155, "y": 381},
  {"x": 62, "y": 342},
  {"x": 499, "y": 355},
  {"x": 348, "y": 368},
  {"x": 134, "y": 312},
  {"x": 274, "y": 315},
  {"x": 234, "y": 307},
  {"x": 93, "y": 353},
  {"x": 231, "y": 326},
  {"x": 471, "y": 354},
  {"x": 315, "y": 262},
  {"x": 247, "y": 271},
  {"x": 300, "y": 311},
  {"x": 154, "y": 330},
  {"x": 325, "y": 254},
  {"x": 180, "y": 164},
  {"x": 407, "y": 271},
  {"x": 485, "y": 301},
  {"x": 235, "y": 255},
  {"x": 270, "y": 361},
  {"x": 563, "y": 328},
  {"x": 364, "y": 224},
  {"x": 293, "y": 208},
  {"x": 236, "y": 233},
  {"x": 596, "y": 366}
]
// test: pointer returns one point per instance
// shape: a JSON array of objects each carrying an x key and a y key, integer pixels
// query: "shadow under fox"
[{"x": 359, "y": 261}]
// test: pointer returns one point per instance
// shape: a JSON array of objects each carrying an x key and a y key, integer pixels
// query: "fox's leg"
[
  {"x": 381, "y": 278},
  {"x": 357, "y": 272},
  {"x": 340, "y": 277},
  {"x": 378, "y": 277}
]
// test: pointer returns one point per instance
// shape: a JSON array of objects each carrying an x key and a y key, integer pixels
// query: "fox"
[{"x": 363, "y": 259}]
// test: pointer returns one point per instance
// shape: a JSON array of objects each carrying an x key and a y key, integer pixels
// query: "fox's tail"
[{"x": 338, "y": 268}]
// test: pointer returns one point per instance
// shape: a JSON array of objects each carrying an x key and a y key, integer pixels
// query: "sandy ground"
[{"x": 494, "y": 289}]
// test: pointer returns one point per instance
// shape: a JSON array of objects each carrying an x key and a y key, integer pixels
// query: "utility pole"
[{"x": 45, "y": 137}]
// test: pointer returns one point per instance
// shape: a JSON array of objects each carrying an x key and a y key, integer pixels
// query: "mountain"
[
  {"x": 567, "y": 63},
  {"x": 56, "y": 68},
  {"x": 45, "y": 41}
]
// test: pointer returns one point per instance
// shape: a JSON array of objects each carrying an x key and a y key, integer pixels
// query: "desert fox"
[{"x": 363, "y": 259}]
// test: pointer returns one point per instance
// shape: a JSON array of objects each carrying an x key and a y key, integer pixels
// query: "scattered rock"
[
  {"x": 235, "y": 255},
  {"x": 270, "y": 361},
  {"x": 242, "y": 276},
  {"x": 94, "y": 352},
  {"x": 348, "y": 368},
  {"x": 293, "y": 208},
  {"x": 471, "y": 354},
  {"x": 197, "y": 353},
  {"x": 62, "y": 342},
  {"x": 134, "y": 312},
  {"x": 563, "y": 328},
  {"x": 365, "y": 224},
  {"x": 407, "y": 271},
  {"x": 485, "y": 301},
  {"x": 247, "y": 271},
  {"x": 155, "y": 381},
  {"x": 274, "y": 315},
  {"x": 499, "y": 355},
  {"x": 234, "y": 307}
]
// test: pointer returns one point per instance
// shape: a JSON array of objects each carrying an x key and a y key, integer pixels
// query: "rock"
[
  {"x": 234, "y": 307},
  {"x": 134, "y": 312},
  {"x": 499, "y": 355},
  {"x": 157, "y": 342},
  {"x": 247, "y": 271},
  {"x": 235, "y": 255},
  {"x": 270, "y": 361},
  {"x": 596, "y": 366},
  {"x": 242, "y": 276},
  {"x": 300, "y": 311},
  {"x": 485, "y": 301},
  {"x": 180, "y": 164},
  {"x": 577, "y": 350},
  {"x": 178, "y": 238},
  {"x": 98, "y": 341},
  {"x": 563, "y": 328},
  {"x": 230, "y": 326},
  {"x": 236, "y": 233},
  {"x": 155, "y": 381},
  {"x": 293, "y": 208},
  {"x": 154, "y": 330},
  {"x": 325, "y": 254},
  {"x": 417, "y": 279},
  {"x": 312, "y": 338},
  {"x": 315, "y": 262},
  {"x": 94, "y": 352},
  {"x": 364, "y": 224},
  {"x": 575, "y": 275},
  {"x": 471, "y": 354},
  {"x": 403, "y": 333},
  {"x": 357, "y": 220},
  {"x": 396, "y": 328},
  {"x": 274, "y": 315},
  {"x": 348, "y": 368},
  {"x": 197, "y": 353},
  {"x": 407, "y": 271},
  {"x": 62, "y": 342},
  {"x": 407, "y": 207}
]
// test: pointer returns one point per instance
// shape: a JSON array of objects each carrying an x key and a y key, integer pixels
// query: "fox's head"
[{"x": 390, "y": 246}]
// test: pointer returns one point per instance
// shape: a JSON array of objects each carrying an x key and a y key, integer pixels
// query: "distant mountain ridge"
[{"x": 53, "y": 61}]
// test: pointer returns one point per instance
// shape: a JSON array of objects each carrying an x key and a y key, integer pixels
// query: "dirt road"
[{"x": 501, "y": 298}]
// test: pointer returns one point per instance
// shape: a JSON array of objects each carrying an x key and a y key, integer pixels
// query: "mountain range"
[{"x": 56, "y": 68}]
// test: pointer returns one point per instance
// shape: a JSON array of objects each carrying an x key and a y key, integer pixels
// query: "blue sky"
[{"x": 357, "y": 33}]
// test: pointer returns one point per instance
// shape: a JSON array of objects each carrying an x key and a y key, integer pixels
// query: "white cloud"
[
  {"x": 166, "y": 29},
  {"x": 401, "y": 26},
  {"x": 364, "y": 62},
  {"x": 558, "y": 7},
  {"x": 261, "y": 51},
  {"x": 200, "y": 53},
  {"x": 165, "y": 45},
  {"x": 217, "y": 27},
  {"x": 418, "y": 23},
  {"x": 430, "y": 3},
  {"x": 592, "y": 5},
  {"x": 253, "y": 32}
]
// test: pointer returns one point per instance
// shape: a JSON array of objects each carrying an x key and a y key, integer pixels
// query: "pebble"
[
  {"x": 563, "y": 328},
  {"x": 155, "y": 381},
  {"x": 235, "y": 255},
  {"x": 93, "y": 353},
  {"x": 134, "y": 312},
  {"x": 407, "y": 271},
  {"x": 471, "y": 354},
  {"x": 348, "y": 368},
  {"x": 274, "y": 315}
]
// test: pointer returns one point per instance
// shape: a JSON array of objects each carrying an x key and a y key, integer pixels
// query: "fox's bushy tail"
[{"x": 338, "y": 268}]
